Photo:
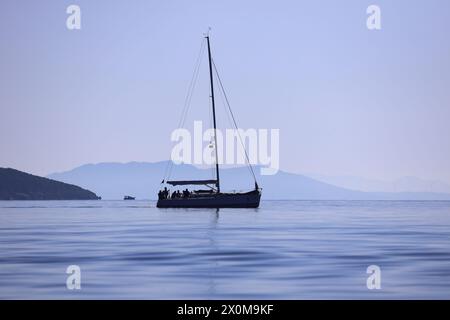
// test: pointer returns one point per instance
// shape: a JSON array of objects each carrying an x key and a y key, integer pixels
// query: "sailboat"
[{"x": 212, "y": 196}]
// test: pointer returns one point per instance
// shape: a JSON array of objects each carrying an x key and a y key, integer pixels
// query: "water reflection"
[{"x": 285, "y": 250}]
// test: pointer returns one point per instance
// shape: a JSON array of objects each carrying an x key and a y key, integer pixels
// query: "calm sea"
[{"x": 283, "y": 250}]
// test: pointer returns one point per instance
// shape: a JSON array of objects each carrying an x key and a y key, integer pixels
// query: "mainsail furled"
[{"x": 191, "y": 182}]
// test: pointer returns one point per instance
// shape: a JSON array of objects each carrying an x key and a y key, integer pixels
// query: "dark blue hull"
[{"x": 222, "y": 200}]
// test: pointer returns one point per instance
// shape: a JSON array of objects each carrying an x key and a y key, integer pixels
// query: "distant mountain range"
[
  {"x": 18, "y": 185},
  {"x": 142, "y": 180},
  {"x": 404, "y": 184}
]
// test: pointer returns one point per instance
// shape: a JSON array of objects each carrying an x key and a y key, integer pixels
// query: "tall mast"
[{"x": 214, "y": 113}]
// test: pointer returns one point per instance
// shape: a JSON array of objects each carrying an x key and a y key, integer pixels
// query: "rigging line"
[
  {"x": 169, "y": 165},
  {"x": 234, "y": 120},
  {"x": 190, "y": 94},
  {"x": 231, "y": 122},
  {"x": 187, "y": 101},
  {"x": 225, "y": 106},
  {"x": 185, "y": 113},
  {"x": 193, "y": 82}
]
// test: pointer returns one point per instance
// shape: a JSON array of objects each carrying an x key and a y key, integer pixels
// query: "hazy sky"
[{"x": 346, "y": 100}]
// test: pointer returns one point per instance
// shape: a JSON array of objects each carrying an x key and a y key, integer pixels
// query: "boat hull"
[{"x": 221, "y": 200}]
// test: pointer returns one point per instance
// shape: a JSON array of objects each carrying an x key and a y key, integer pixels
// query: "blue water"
[{"x": 283, "y": 250}]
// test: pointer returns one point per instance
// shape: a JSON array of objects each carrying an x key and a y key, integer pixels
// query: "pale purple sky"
[{"x": 347, "y": 101}]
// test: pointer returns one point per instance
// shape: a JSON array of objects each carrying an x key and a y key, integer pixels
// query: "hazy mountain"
[
  {"x": 114, "y": 180},
  {"x": 404, "y": 184},
  {"x": 18, "y": 185}
]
